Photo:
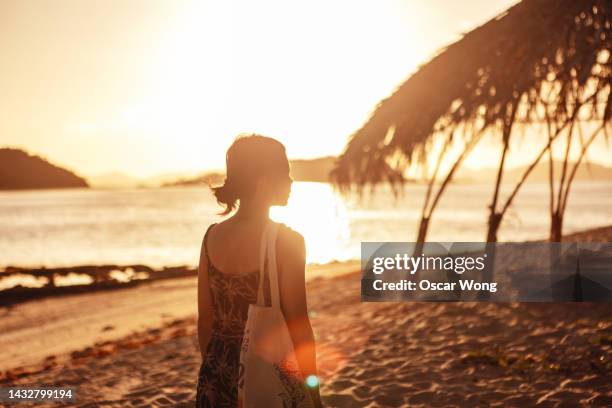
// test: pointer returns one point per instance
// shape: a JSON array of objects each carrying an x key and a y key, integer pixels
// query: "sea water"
[{"x": 164, "y": 226}]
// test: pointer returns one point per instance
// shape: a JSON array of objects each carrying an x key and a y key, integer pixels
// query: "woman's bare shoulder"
[
  {"x": 290, "y": 242},
  {"x": 220, "y": 228},
  {"x": 289, "y": 234}
]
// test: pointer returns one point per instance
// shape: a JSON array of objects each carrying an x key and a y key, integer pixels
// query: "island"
[{"x": 22, "y": 171}]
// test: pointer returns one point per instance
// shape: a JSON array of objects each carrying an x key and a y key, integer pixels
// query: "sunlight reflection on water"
[{"x": 161, "y": 227}]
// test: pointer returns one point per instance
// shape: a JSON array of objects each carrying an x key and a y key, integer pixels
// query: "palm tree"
[{"x": 542, "y": 62}]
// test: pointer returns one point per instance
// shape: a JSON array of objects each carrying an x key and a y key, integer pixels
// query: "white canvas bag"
[{"x": 269, "y": 371}]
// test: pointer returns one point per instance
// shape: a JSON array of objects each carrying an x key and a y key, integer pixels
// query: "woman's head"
[{"x": 256, "y": 169}]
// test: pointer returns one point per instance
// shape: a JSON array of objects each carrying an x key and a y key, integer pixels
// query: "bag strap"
[
  {"x": 272, "y": 266},
  {"x": 267, "y": 259},
  {"x": 262, "y": 264}
]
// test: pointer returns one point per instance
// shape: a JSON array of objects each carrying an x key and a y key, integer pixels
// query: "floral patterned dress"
[{"x": 231, "y": 295}]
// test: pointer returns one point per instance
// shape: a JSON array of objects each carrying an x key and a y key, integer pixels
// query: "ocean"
[{"x": 164, "y": 226}]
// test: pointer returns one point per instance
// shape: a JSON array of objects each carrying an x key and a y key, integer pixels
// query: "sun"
[{"x": 305, "y": 73}]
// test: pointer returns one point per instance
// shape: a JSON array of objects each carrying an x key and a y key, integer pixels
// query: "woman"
[{"x": 257, "y": 177}]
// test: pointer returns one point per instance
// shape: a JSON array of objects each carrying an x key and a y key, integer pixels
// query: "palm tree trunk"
[
  {"x": 523, "y": 179},
  {"x": 556, "y": 223},
  {"x": 494, "y": 216},
  {"x": 422, "y": 235},
  {"x": 428, "y": 210},
  {"x": 556, "y": 227},
  {"x": 425, "y": 211},
  {"x": 493, "y": 226}
]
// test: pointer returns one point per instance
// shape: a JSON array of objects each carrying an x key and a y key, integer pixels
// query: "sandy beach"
[{"x": 369, "y": 354}]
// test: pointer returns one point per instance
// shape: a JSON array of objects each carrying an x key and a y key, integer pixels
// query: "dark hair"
[{"x": 248, "y": 158}]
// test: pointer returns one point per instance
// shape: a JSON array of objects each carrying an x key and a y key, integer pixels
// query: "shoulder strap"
[
  {"x": 206, "y": 241},
  {"x": 267, "y": 260},
  {"x": 262, "y": 265},
  {"x": 272, "y": 266}
]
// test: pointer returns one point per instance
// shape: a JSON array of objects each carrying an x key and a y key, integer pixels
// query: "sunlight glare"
[
  {"x": 273, "y": 68},
  {"x": 320, "y": 215}
]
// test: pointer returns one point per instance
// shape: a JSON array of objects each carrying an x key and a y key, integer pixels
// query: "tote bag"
[{"x": 269, "y": 374}]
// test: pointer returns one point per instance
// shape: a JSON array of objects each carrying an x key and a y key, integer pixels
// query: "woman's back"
[
  {"x": 233, "y": 245},
  {"x": 233, "y": 288}
]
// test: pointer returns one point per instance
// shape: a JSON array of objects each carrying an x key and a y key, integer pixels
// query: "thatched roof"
[{"x": 536, "y": 49}]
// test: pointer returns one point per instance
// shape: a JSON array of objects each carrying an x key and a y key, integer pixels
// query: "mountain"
[
  {"x": 301, "y": 170},
  {"x": 586, "y": 172},
  {"x": 212, "y": 178},
  {"x": 312, "y": 169},
  {"x": 19, "y": 170},
  {"x": 168, "y": 179},
  {"x": 113, "y": 180},
  {"x": 117, "y": 179}
]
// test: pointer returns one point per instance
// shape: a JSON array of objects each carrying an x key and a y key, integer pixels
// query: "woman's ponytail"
[{"x": 226, "y": 196}]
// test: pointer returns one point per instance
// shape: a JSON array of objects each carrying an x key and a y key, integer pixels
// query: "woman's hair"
[{"x": 249, "y": 158}]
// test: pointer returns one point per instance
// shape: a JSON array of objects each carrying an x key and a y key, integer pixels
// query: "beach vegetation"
[{"x": 542, "y": 68}]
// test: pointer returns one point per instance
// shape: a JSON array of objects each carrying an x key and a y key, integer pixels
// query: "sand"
[
  {"x": 102, "y": 316},
  {"x": 369, "y": 354},
  {"x": 57, "y": 326}
]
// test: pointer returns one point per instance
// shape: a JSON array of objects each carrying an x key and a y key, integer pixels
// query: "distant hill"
[
  {"x": 19, "y": 170},
  {"x": 586, "y": 172},
  {"x": 312, "y": 169},
  {"x": 121, "y": 180},
  {"x": 301, "y": 170},
  {"x": 205, "y": 179},
  {"x": 113, "y": 180},
  {"x": 169, "y": 178}
]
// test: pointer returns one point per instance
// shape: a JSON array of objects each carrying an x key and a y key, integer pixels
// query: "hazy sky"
[{"x": 148, "y": 86}]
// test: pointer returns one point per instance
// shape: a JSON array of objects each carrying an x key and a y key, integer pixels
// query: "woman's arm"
[
  {"x": 292, "y": 261},
  {"x": 205, "y": 308}
]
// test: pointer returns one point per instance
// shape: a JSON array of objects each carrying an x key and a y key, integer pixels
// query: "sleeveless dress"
[{"x": 231, "y": 295}]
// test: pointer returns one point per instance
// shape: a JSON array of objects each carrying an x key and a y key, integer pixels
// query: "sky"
[{"x": 146, "y": 87}]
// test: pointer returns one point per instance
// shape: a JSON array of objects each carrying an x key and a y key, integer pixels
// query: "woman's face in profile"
[{"x": 281, "y": 188}]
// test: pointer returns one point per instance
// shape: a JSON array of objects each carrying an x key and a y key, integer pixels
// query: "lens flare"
[{"x": 312, "y": 381}]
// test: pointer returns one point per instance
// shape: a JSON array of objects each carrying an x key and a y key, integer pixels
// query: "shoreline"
[
  {"x": 137, "y": 347},
  {"x": 104, "y": 277},
  {"x": 113, "y": 277}
]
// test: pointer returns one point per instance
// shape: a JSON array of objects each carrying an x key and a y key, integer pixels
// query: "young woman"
[{"x": 257, "y": 177}]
